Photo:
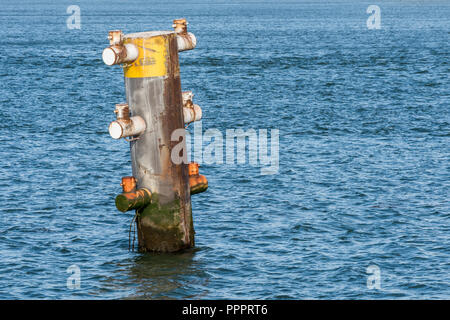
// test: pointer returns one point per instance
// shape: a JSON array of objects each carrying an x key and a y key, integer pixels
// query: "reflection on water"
[{"x": 161, "y": 276}]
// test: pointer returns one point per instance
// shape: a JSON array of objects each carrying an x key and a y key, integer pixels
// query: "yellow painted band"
[{"x": 151, "y": 61}]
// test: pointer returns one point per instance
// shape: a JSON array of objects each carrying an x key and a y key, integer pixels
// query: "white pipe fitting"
[
  {"x": 191, "y": 114},
  {"x": 122, "y": 128},
  {"x": 118, "y": 54},
  {"x": 186, "y": 41}
]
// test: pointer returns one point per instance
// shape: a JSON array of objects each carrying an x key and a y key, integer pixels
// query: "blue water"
[{"x": 364, "y": 152}]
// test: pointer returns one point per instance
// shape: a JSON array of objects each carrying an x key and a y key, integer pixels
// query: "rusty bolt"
[
  {"x": 122, "y": 111},
  {"x": 180, "y": 26},
  {"x": 115, "y": 37},
  {"x": 128, "y": 184},
  {"x": 187, "y": 97},
  {"x": 193, "y": 169}
]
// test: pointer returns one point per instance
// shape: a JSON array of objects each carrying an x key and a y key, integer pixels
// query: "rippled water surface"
[{"x": 364, "y": 152}]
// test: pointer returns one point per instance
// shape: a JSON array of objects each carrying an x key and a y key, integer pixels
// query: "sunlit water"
[{"x": 364, "y": 152}]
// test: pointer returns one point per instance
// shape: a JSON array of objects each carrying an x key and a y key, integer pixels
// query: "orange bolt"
[
  {"x": 193, "y": 169},
  {"x": 128, "y": 184}
]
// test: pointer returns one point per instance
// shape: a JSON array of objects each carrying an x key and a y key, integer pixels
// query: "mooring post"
[{"x": 159, "y": 190}]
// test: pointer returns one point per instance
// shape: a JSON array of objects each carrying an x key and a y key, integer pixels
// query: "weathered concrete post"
[{"x": 161, "y": 190}]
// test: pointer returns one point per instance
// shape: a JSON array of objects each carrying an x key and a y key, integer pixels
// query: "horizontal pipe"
[
  {"x": 191, "y": 111},
  {"x": 186, "y": 41},
  {"x": 198, "y": 183},
  {"x": 118, "y": 54},
  {"x": 133, "y": 200},
  {"x": 122, "y": 128}
]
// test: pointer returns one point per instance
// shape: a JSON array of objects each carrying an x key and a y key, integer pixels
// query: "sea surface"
[{"x": 364, "y": 152}]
